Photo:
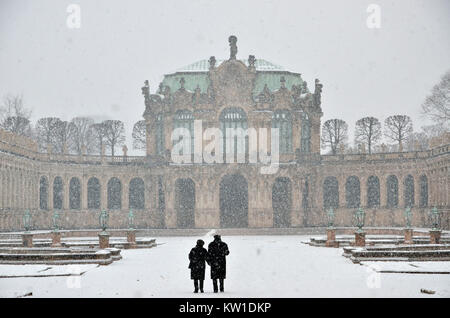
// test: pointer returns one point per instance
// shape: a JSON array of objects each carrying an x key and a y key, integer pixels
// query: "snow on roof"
[{"x": 203, "y": 66}]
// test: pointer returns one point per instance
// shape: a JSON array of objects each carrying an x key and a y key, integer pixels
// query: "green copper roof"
[
  {"x": 196, "y": 74},
  {"x": 203, "y": 66}
]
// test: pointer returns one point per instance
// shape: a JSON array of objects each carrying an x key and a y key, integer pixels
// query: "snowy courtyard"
[{"x": 258, "y": 266}]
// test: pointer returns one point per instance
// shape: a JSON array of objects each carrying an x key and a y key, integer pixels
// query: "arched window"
[
  {"x": 392, "y": 191},
  {"x": 160, "y": 135},
  {"x": 58, "y": 193},
  {"x": 305, "y": 139},
  {"x": 233, "y": 119},
  {"x": 408, "y": 192},
  {"x": 352, "y": 192},
  {"x": 43, "y": 193},
  {"x": 330, "y": 193},
  {"x": 74, "y": 194},
  {"x": 114, "y": 194},
  {"x": 373, "y": 192},
  {"x": 136, "y": 194},
  {"x": 94, "y": 195},
  {"x": 282, "y": 120},
  {"x": 423, "y": 191},
  {"x": 185, "y": 119}
]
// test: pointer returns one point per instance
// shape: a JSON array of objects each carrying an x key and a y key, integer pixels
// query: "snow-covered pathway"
[{"x": 258, "y": 266}]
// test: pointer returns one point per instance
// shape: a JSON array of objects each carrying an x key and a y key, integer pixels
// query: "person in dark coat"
[
  {"x": 197, "y": 259},
  {"x": 217, "y": 251}
]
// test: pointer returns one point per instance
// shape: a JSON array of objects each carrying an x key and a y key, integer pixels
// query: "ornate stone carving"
[
  {"x": 317, "y": 92},
  {"x": 212, "y": 62},
  {"x": 251, "y": 62}
]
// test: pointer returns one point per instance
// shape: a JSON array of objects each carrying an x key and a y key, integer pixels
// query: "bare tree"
[
  {"x": 334, "y": 134},
  {"x": 98, "y": 133},
  {"x": 114, "y": 134},
  {"x": 437, "y": 105},
  {"x": 139, "y": 135},
  {"x": 398, "y": 128},
  {"x": 81, "y": 136},
  {"x": 15, "y": 117},
  {"x": 419, "y": 141},
  {"x": 368, "y": 132},
  {"x": 63, "y": 136},
  {"x": 46, "y": 130}
]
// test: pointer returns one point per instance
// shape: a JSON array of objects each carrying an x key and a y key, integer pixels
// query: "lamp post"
[
  {"x": 131, "y": 232},
  {"x": 56, "y": 234},
  {"x": 360, "y": 235},
  {"x": 27, "y": 237},
  {"x": 408, "y": 230},
  {"x": 103, "y": 236},
  {"x": 331, "y": 231},
  {"x": 435, "y": 232}
]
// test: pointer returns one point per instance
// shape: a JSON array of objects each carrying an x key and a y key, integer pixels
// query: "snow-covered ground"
[{"x": 258, "y": 266}]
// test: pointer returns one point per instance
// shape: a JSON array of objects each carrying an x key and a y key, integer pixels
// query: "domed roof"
[
  {"x": 196, "y": 75},
  {"x": 203, "y": 66}
]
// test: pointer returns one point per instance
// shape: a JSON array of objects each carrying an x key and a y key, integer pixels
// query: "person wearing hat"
[
  {"x": 217, "y": 251},
  {"x": 197, "y": 259}
]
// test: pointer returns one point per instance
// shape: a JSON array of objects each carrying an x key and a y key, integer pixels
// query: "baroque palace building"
[{"x": 233, "y": 93}]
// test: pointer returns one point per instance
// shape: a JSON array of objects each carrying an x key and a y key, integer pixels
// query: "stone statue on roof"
[{"x": 233, "y": 47}]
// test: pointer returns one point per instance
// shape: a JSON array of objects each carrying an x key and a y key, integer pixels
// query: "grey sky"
[{"x": 98, "y": 69}]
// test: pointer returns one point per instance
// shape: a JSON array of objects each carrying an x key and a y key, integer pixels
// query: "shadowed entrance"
[
  {"x": 185, "y": 203},
  {"x": 233, "y": 201},
  {"x": 282, "y": 202}
]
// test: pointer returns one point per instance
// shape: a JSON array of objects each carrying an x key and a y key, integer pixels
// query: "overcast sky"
[{"x": 98, "y": 69}]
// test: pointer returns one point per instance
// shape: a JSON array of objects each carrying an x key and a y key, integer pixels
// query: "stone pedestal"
[
  {"x": 131, "y": 237},
  {"x": 331, "y": 238},
  {"x": 103, "y": 240},
  {"x": 408, "y": 236},
  {"x": 56, "y": 239},
  {"x": 360, "y": 239},
  {"x": 27, "y": 239},
  {"x": 435, "y": 236}
]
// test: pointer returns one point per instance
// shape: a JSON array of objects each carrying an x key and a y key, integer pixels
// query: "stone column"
[
  {"x": 315, "y": 133},
  {"x": 104, "y": 193},
  {"x": 66, "y": 193},
  {"x": 416, "y": 190},
  {"x": 50, "y": 192},
  {"x": 341, "y": 187},
  {"x": 296, "y": 131},
  {"x": 363, "y": 190},
  {"x": 169, "y": 191},
  {"x": 401, "y": 188},
  {"x": 383, "y": 193},
  {"x": 84, "y": 193},
  {"x": 296, "y": 193},
  {"x": 125, "y": 190}
]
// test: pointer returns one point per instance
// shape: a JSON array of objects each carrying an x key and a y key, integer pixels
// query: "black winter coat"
[
  {"x": 197, "y": 258},
  {"x": 217, "y": 251}
]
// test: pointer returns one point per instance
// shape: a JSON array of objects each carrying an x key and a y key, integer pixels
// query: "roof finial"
[{"x": 233, "y": 48}]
